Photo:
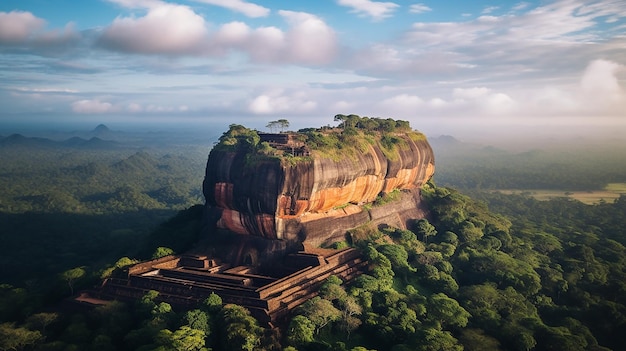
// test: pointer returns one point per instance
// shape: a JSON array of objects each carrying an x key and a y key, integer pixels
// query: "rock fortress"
[{"x": 279, "y": 210}]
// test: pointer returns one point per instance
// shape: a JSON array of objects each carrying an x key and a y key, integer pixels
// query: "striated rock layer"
[{"x": 315, "y": 199}]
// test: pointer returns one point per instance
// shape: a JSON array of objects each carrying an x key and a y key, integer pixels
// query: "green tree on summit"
[{"x": 280, "y": 124}]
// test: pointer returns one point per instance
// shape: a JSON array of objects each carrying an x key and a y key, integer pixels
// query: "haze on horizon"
[{"x": 494, "y": 71}]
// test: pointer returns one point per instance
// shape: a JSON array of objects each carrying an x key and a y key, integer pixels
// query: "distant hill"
[
  {"x": 19, "y": 140},
  {"x": 93, "y": 143},
  {"x": 101, "y": 128},
  {"x": 140, "y": 162},
  {"x": 102, "y": 131},
  {"x": 449, "y": 149}
]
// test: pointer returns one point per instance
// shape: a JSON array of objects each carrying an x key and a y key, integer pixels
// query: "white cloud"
[
  {"x": 419, "y": 8},
  {"x": 600, "y": 87},
  {"x": 520, "y": 6},
  {"x": 247, "y": 8},
  {"x": 463, "y": 94},
  {"x": 165, "y": 29},
  {"x": 403, "y": 102},
  {"x": 177, "y": 30},
  {"x": 437, "y": 102},
  {"x": 48, "y": 90},
  {"x": 233, "y": 33},
  {"x": 266, "y": 44},
  {"x": 489, "y": 9},
  {"x": 278, "y": 101},
  {"x": 309, "y": 39},
  {"x": 342, "y": 105},
  {"x": 134, "y": 4},
  {"x": 483, "y": 100},
  {"x": 600, "y": 81},
  {"x": 377, "y": 10},
  {"x": 18, "y": 26},
  {"x": 516, "y": 45},
  {"x": 91, "y": 106},
  {"x": 134, "y": 108}
]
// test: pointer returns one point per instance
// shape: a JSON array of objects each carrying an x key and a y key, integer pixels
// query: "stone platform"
[{"x": 188, "y": 280}]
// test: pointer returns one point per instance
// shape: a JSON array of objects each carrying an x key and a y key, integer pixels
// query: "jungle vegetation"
[
  {"x": 484, "y": 271},
  {"x": 353, "y": 134}
]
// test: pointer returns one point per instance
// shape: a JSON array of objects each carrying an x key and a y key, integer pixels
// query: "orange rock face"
[{"x": 272, "y": 199}]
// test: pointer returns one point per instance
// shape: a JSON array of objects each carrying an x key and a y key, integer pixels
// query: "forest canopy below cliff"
[{"x": 487, "y": 271}]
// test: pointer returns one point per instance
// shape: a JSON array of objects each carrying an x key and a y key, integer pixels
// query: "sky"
[{"x": 489, "y": 68}]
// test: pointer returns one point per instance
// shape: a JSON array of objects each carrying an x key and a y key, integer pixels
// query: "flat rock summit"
[{"x": 275, "y": 193}]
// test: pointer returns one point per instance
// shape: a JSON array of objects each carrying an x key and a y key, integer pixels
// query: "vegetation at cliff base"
[
  {"x": 512, "y": 275},
  {"x": 484, "y": 271}
]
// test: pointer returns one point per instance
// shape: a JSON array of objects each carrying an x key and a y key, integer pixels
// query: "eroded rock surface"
[{"x": 314, "y": 198}]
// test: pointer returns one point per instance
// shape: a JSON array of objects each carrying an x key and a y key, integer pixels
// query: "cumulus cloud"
[
  {"x": 308, "y": 40},
  {"x": 23, "y": 29},
  {"x": 600, "y": 81},
  {"x": 278, "y": 101},
  {"x": 165, "y": 29},
  {"x": 18, "y": 26},
  {"x": 484, "y": 100},
  {"x": 403, "y": 102},
  {"x": 91, "y": 106},
  {"x": 247, "y": 8},
  {"x": 377, "y": 10},
  {"x": 600, "y": 86},
  {"x": 597, "y": 93},
  {"x": 177, "y": 30}
]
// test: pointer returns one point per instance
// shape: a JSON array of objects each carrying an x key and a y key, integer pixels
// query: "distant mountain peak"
[
  {"x": 447, "y": 139},
  {"x": 101, "y": 128}
]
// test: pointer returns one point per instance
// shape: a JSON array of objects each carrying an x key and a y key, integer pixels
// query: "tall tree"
[
  {"x": 283, "y": 124},
  {"x": 320, "y": 312},
  {"x": 301, "y": 331},
  {"x": 446, "y": 311},
  {"x": 240, "y": 330},
  {"x": 71, "y": 276},
  {"x": 15, "y": 339}
]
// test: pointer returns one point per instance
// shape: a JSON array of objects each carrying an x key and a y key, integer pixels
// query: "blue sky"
[{"x": 448, "y": 67}]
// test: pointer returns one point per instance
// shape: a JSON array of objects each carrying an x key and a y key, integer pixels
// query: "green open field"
[{"x": 611, "y": 192}]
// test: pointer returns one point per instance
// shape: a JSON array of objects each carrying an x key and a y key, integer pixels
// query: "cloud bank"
[{"x": 518, "y": 63}]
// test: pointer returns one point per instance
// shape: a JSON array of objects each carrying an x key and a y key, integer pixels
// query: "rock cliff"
[{"x": 312, "y": 187}]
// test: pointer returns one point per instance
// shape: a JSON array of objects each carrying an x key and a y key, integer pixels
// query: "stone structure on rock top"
[{"x": 310, "y": 187}]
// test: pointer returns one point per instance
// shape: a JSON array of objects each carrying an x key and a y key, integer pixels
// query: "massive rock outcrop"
[
  {"x": 285, "y": 188},
  {"x": 273, "y": 200}
]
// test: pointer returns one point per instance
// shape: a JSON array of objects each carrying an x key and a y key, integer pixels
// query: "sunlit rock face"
[{"x": 317, "y": 198}]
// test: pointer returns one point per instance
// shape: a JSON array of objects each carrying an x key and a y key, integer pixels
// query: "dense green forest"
[
  {"x": 538, "y": 276},
  {"x": 486, "y": 271},
  {"x": 62, "y": 208},
  {"x": 574, "y": 165}
]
